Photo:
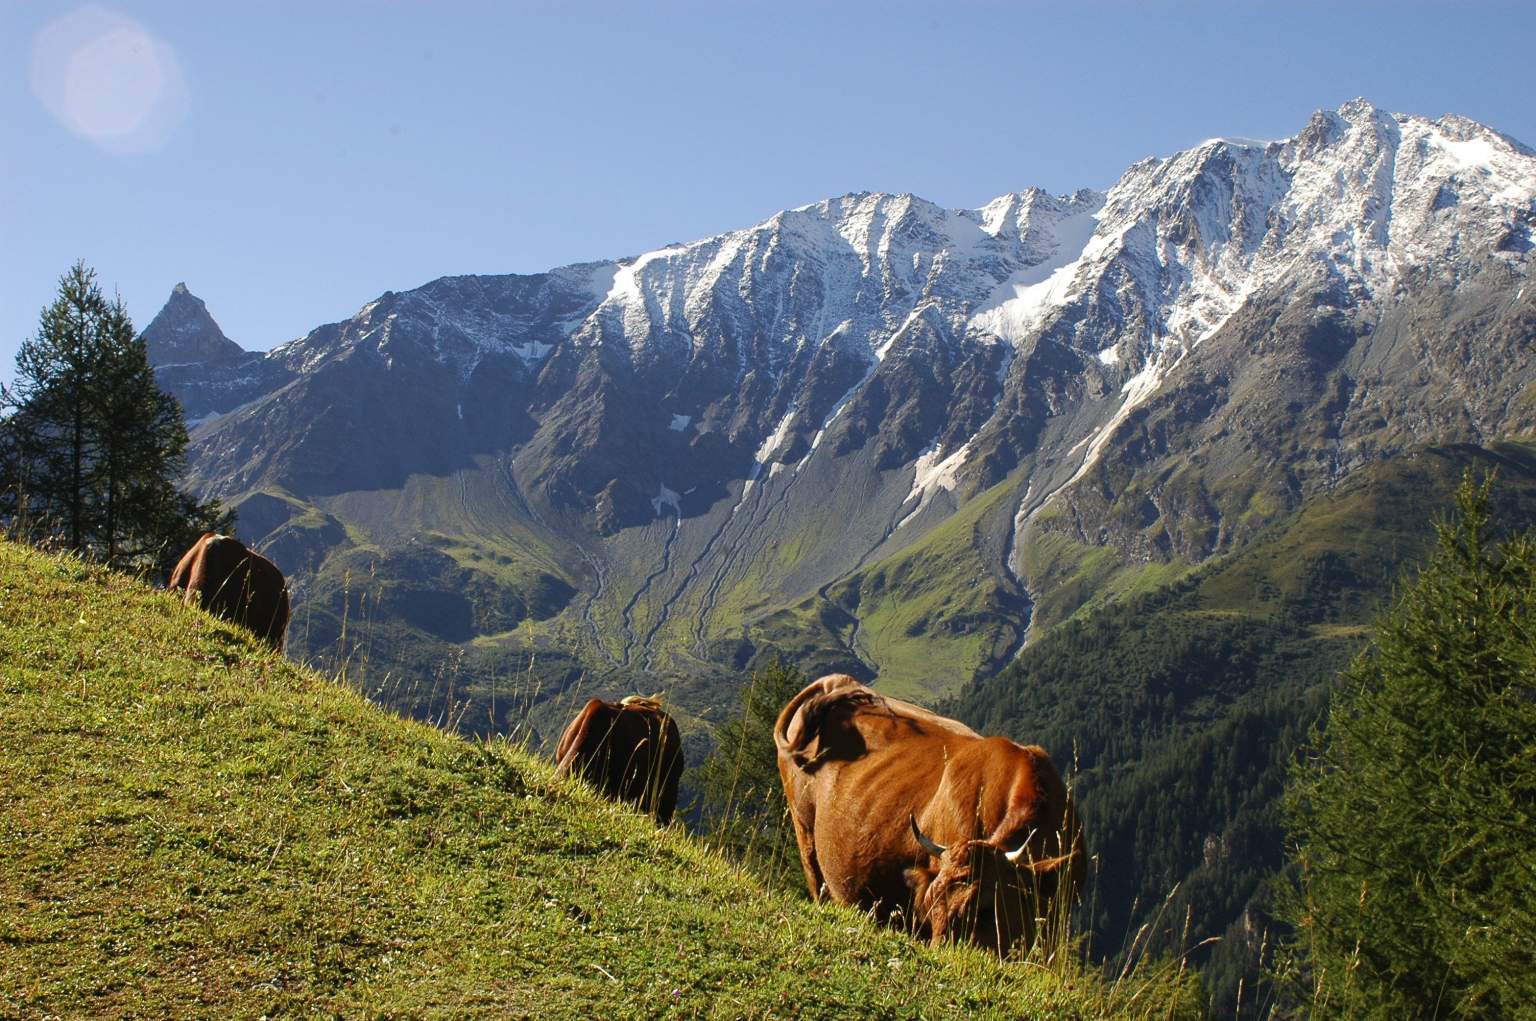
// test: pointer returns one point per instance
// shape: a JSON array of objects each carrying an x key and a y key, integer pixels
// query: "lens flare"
[{"x": 105, "y": 78}]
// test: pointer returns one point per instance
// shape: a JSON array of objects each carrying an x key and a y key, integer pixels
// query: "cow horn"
[
  {"x": 1018, "y": 852},
  {"x": 923, "y": 840}
]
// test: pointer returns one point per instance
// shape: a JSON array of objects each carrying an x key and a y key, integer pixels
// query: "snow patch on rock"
[
  {"x": 1021, "y": 302},
  {"x": 931, "y": 473},
  {"x": 666, "y": 497}
]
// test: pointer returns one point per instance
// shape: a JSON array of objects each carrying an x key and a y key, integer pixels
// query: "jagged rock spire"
[{"x": 184, "y": 332}]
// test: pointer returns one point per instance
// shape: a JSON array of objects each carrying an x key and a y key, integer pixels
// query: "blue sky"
[{"x": 292, "y": 161}]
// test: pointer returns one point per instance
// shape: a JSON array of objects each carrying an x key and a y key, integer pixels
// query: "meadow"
[{"x": 193, "y": 826}]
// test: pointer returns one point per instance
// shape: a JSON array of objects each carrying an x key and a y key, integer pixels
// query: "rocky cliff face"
[
  {"x": 208, "y": 372},
  {"x": 183, "y": 332},
  {"x": 792, "y": 435}
]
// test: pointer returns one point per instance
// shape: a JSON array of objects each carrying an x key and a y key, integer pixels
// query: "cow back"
[
  {"x": 837, "y": 718},
  {"x": 181, "y": 574},
  {"x": 630, "y": 751},
  {"x": 1002, "y": 792},
  {"x": 234, "y": 583}
]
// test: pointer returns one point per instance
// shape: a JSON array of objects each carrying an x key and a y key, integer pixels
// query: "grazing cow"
[
  {"x": 236, "y": 584},
  {"x": 922, "y": 820},
  {"x": 630, "y": 750}
]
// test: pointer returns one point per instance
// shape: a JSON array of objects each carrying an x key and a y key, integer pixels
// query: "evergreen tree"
[
  {"x": 1415, "y": 818},
  {"x": 741, "y": 797},
  {"x": 10, "y": 467},
  {"x": 93, "y": 446}
]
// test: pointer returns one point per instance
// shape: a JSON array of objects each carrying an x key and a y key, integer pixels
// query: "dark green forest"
[
  {"x": 1180, "y": 712},
  {"x": 1412, "y": 883}
]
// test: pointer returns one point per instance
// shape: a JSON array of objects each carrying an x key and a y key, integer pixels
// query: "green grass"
[
  {"x": 1072, "y": 579},
  {"x": 932, "y": 614},
  {"x": 912, "y": 602},
  {"x": 746, "y": 598},
  {"x": 508, "y": 563},
  {"x": 194, "y": 827}
]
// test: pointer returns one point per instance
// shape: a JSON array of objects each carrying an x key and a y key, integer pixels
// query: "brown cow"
[
  {"x": 236, "y": 584},
  {"x": 630, "y": 750},
  {"x": 922, "y": 820}
]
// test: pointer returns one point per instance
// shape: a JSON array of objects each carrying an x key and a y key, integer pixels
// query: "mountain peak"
[
  {"x": 183, "y": 331},
  {"x": 1357, "y": 108}
]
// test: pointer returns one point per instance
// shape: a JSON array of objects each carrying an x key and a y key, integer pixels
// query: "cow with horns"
[
  {"x": 232, "y": 582},
  {"x": 920, "y": 819},
  {"x": 630, "y": 750}
]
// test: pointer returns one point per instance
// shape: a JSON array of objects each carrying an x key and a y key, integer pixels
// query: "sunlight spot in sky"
[{"x": 105, "y": 78}]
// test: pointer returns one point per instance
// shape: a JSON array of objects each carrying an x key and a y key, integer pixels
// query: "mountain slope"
[
  {"x": 727, "y": 448},
  {"x": 195, "y": 827},
  {"x": 1183, "y": 707}
]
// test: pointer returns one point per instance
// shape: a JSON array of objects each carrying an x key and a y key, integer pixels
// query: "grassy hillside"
[
  {"x": 193, "y": 827},
  {"x": 929, "y": 616}
]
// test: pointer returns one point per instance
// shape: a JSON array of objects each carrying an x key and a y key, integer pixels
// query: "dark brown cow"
[
  {"x": 236, "y": 584},
  {"x": 630, "y": 750},
  {"x": 922, "y": 820}
]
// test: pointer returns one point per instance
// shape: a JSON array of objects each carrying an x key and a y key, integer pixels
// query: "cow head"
[{"x": 995, "y": 897}]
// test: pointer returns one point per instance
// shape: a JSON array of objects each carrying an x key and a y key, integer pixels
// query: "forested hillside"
[{"x": 1182, "y": 708}]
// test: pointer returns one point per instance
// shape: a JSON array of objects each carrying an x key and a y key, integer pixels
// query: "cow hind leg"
[{"x": 806, "y": 841}]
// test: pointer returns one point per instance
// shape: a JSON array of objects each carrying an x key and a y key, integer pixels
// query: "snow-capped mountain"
[{"x": 877, "y": 433}]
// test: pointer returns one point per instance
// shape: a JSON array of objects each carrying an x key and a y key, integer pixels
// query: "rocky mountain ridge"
[{"x": 877, "y": 434}]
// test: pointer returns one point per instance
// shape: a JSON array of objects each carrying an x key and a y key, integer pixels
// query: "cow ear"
[{"x": 918, "y": 879}]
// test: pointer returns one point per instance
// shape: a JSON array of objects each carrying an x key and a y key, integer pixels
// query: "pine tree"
[
  {"x": 1415, "y": 818},
  {"x": 741, "y": 796},
  {"x": 11, "y": 464},
  {"x": 51, "y": 425},
  {"x": 93, "y": 445}
]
